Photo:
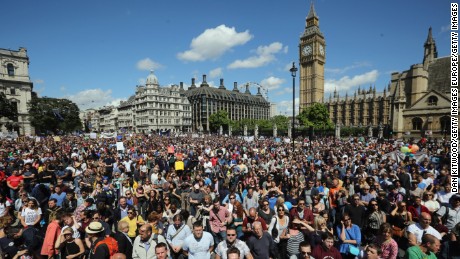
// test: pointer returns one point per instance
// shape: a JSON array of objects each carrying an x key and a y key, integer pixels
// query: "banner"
[
  {"x": 108, "y": 135},
  {"x": 249, "y": 139},
  {"x": 120, "y": 146},
  {"x": 399, "y": 156},
  {"x": 93, "y": 135}
]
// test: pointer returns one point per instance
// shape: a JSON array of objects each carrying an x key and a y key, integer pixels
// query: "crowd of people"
[{"x": 226, "y": 197}]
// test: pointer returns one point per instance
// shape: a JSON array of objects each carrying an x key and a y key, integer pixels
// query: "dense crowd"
[{"x": 226, "y": 197}]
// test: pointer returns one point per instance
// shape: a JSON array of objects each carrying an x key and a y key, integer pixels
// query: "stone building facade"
[
  {"x": 206, "y": 100},
  {"x": 416, "y": 103},
  {"x": 16, "y": 84},
  {"x": 153, "y": 108}
]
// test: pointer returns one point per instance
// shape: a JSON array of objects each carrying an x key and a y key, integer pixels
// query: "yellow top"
[{"x": 133, "y": 224}]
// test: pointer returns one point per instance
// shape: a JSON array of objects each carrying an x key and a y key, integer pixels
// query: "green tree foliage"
[
  {"x": 280, "y": 121},
  {"x": 220, "y": 118},
  {"x": 316, "y": 116},
  {"x": 7, "y": 109},
  {"x": 54, "y": 115}
]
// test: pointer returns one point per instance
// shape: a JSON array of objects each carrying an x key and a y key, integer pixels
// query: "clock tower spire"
[{"x": 312, "y": 57}]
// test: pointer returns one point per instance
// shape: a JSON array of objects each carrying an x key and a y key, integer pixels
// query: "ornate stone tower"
[{"x": 312, "y": 56}]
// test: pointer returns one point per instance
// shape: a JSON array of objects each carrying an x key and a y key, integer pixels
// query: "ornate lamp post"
[{"x": 293, "y": 72}]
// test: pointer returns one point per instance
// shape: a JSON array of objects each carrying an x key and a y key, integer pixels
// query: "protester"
[{"x": 260, "y": 183}]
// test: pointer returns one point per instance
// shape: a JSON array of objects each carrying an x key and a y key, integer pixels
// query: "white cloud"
[
  {"x": 445, "y": 28},
  {"x": 93, "y": 98},
  {"x": 283, "y": 91},
  {"x": 347, "y": 68},
  {"x": 265, "y": 55},
  {"x": 285, "y": 107},
  {"x": 63, "y": 88},
  {"x": 272, "y": 83},
  {"x": 346, "y": 83},
  {"x": 286, "y": 49},
  {"x": 148, "y": 64},
  {"x": 39, "y": 81},
  {"x": 216, "y": 73},
  {"x": 213, "y": 43}
]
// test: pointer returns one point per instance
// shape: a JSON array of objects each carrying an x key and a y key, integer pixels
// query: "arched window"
[
  {"x": 432, "y": 101},
  {"x": 10, "y": 69},
  {"x": 445, "y": 123},
  {"x": 417, "y": 123}
]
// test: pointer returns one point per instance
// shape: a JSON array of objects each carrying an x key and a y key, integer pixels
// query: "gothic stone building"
[
  {"x": 206, "y": 100},
  {"x": 416, "y": 102}
]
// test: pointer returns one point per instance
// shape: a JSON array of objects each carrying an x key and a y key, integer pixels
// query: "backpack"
[
  {"x": 111, "y": 243},
  {"x": 445, "y": 216}
]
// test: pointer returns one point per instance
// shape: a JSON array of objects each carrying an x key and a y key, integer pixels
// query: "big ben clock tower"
[{"x": 312, "y": 56}]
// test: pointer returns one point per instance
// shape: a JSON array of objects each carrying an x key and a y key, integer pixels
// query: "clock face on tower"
[
  {"x": 307, "y": 50},
  {"x": 321, "y": 50}
]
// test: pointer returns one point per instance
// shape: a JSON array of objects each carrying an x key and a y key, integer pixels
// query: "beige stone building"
[
  {"x": 416, "y": 103},
  {"x": 17, "y": 86}
]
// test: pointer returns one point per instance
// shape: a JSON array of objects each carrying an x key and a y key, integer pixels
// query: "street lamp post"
[{"x": 293, "y": 72}]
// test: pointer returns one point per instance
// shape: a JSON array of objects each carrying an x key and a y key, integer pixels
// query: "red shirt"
[
  {"x": 15, "y": 180},
  {"x": 246, "y": 221}
]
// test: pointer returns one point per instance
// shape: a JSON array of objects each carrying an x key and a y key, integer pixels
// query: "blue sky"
[{"x": 96, "y": 52}]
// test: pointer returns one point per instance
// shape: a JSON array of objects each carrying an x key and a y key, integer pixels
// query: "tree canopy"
[
  {"x": 55, "y": 115},
  {"x": 316, "y": 116},
  {"x": 7, "y": 108},
  {"x": 220, "y": 118}
]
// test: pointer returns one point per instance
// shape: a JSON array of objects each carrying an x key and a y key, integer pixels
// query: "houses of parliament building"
[{"x": 416, "y": 102}]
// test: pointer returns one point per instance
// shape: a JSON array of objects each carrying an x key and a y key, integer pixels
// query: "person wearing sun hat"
[{"x": 95, "y": 232}]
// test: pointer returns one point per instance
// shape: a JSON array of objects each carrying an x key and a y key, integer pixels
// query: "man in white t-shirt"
[{"x": 417, "y": 230}]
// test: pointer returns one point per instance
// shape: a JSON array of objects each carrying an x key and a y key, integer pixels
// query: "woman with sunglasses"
[
  {"x": 430, "y": 203},
  {"x": 349, "y": 237},
  {"x": 281, "y": 223},
  {"x": 374, "y": 219}
]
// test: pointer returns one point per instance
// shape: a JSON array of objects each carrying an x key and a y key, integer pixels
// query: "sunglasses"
[
  {"x": 232, "y": 198},
  {"x": 130, "y": 212},
  {"x": 280, "y": 210},
  {"x": 231, "y": 235}
]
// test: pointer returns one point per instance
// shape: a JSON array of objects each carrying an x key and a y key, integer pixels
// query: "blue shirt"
[
  {"x": 198, "y": 249},
  {"x": 59, "y": 197},
  {"x": 353, "y": 233}
]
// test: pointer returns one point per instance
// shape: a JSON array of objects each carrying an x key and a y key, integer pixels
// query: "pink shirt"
[
  {"x": 217, "y": 220},
  {"x": 389, "y": 249}
]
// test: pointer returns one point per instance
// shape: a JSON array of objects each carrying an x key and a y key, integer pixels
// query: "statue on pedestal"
[
  {"x": 275, "y": 131},
  {"x": 289, "y": 130},
  {"x": 245, "y": 130},
  {"x": 229, "y": 130},
  {"x": 256, "y": 131}
]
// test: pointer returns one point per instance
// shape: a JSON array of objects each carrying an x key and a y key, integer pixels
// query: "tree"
[
  {"x": 220, "y": 118},
  {"x": 54, "y": 115},
  {"x": 7, "y": 108},
  {"x": 316, "y": 116},
  {"x": 280, "y": 121}
]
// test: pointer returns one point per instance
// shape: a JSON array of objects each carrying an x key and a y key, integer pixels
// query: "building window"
[
  {"x": 432, "y": 101},
  {"x": 417, "y": 123},
  {"x": 13, "y": 91},
  {"x": 10, "y": 69},
  {"x": 445, "y": 124}
]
